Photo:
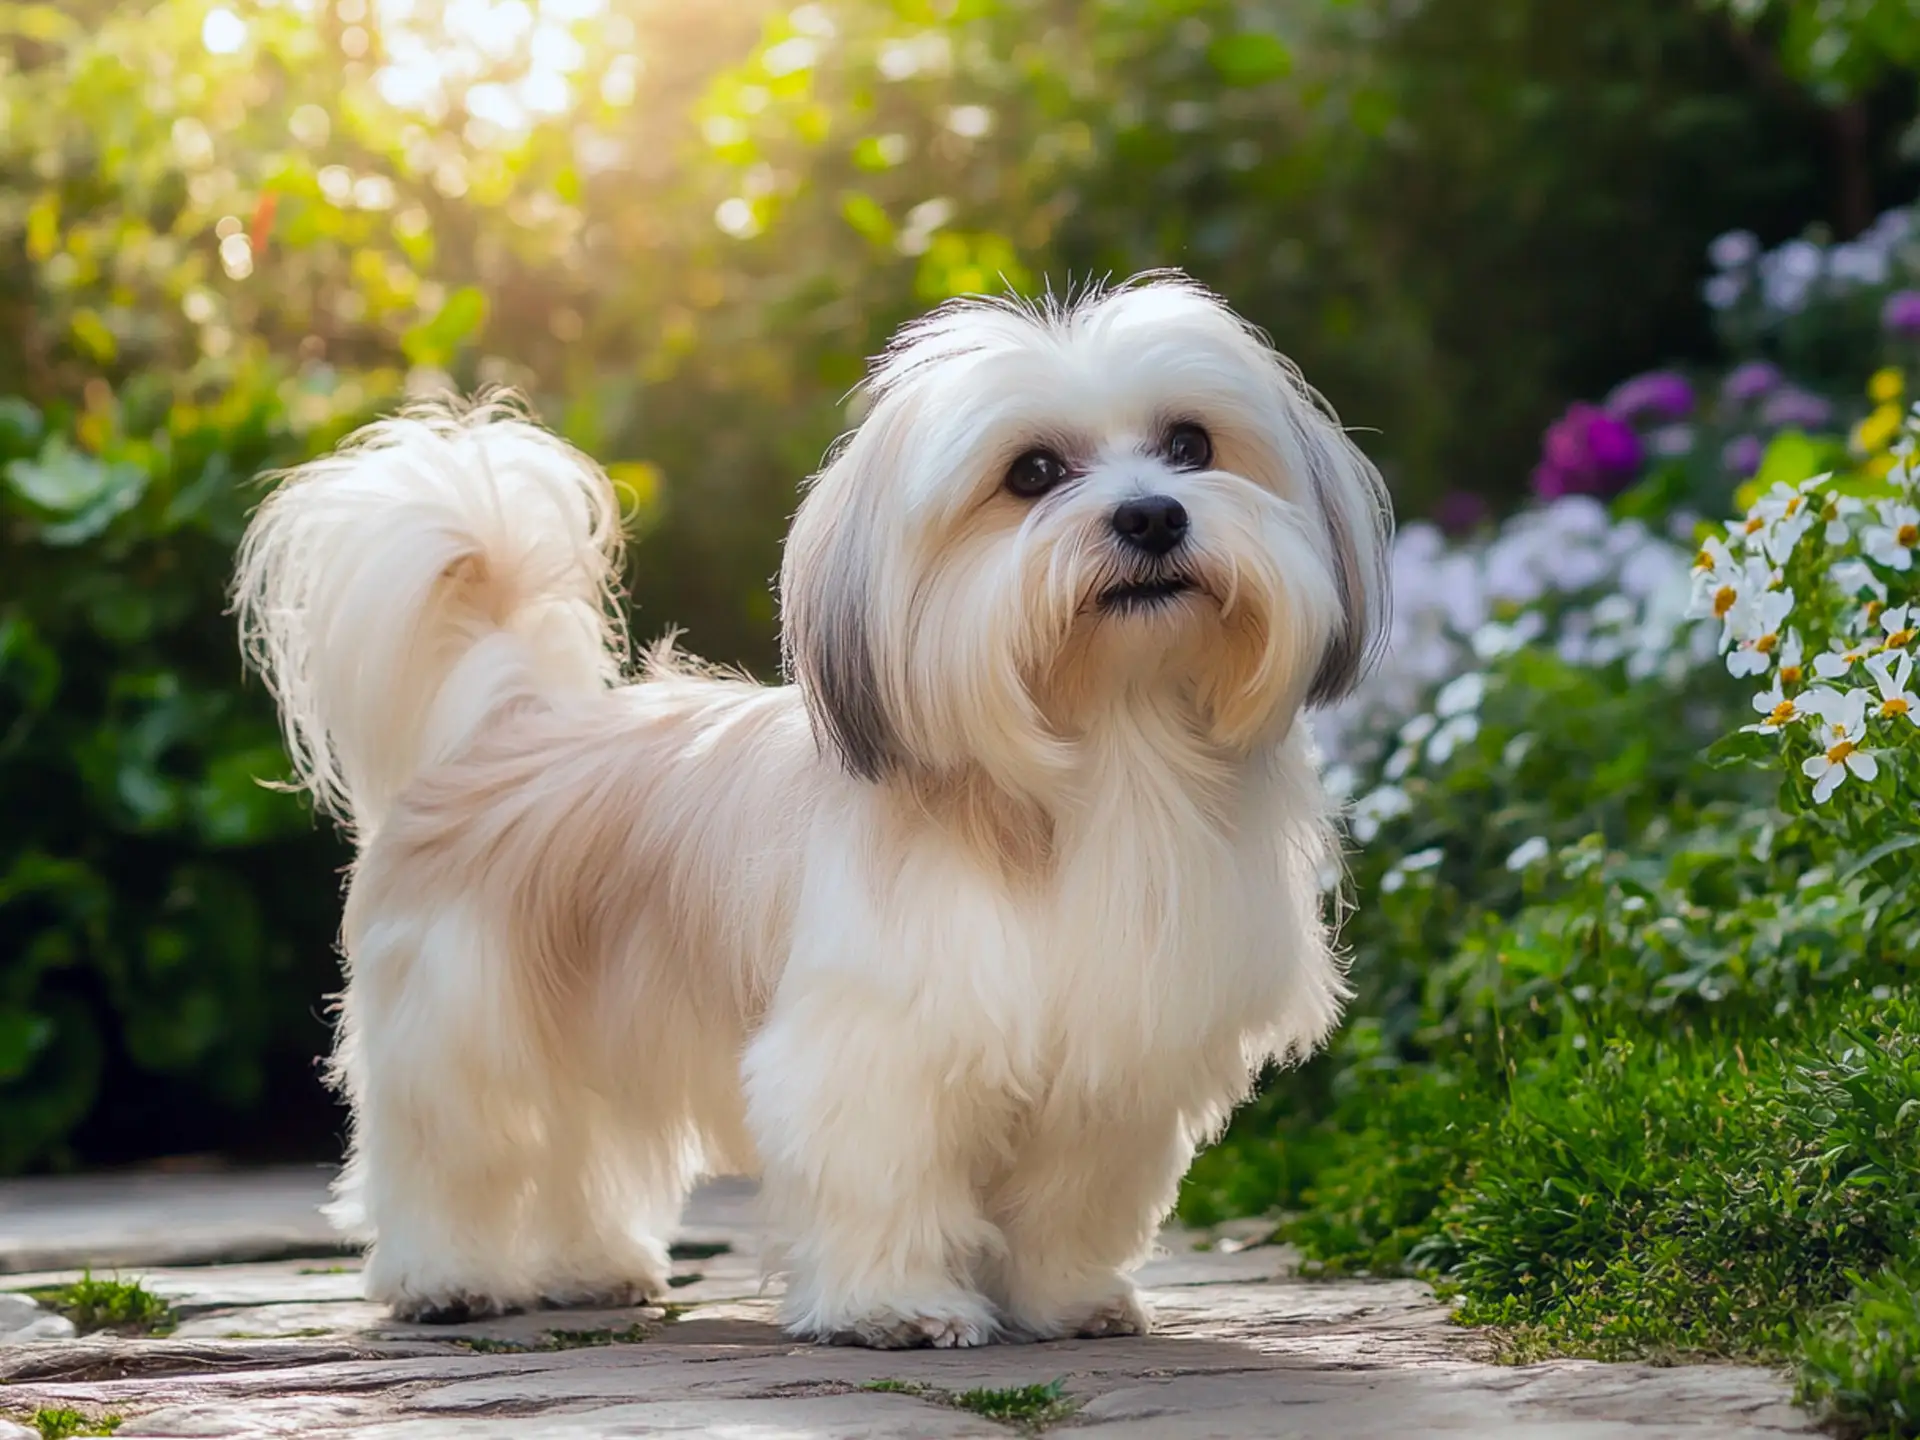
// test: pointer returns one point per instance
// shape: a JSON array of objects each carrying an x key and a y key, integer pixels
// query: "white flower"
[
  {"x": 1754, "y": 655},
  {"x": 1715, "y": 569},
  {"x": 1459, "y": 730},
  {"x": 1528, "y": 852},
  {"x": 1460, "y": 695},
  {"x": 1843, "y": 725},
  {"x": 1417, "y": 729},
  {"x": 1839, "y": 659},
  {"x": 1898, "y": 626},
  {"x": 1375, "y": 808},
  {"x": 1855, "y": 579},
  {"x": 1413, "y": 864},
  {"x": 1891, "y": 670},
  {"x": 1614, "y": 610},
  {"x": 1837, "y": 510},
  {"x": 1338, "y": 781},
  {"x": 1733, "y": 250},
  {"x": 1492, "y": 641},
  {"x": 1776, "y": 709},
  {"x": 1891, "y": 542},
  {"x": 1785, "y": 514},
  {"x": 1792, "y": 659},
  {"x": 1400, "y": 762}
]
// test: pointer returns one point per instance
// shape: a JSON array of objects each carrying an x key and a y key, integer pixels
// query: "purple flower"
[
  {"x": 1792, "y": 407},
  {"x": 1742, "y": 456},
  {"x": 1587, "y": 452},
  {"x": 1661, "y": 394},
  {"x": 1752, "y": 381},
  {"x": 1461, "y": 511},
  {"x": 1902, "y": 313}
]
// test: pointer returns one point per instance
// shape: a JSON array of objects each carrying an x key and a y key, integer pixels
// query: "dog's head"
[{"x": 1050, "y": 509}]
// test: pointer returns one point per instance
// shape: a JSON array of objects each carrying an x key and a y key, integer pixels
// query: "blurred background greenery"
[{"x": 230, "y": 231}]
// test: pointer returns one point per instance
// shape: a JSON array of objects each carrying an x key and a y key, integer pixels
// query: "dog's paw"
[
  {"x": 948, "y": 1324},
  {"x": 601, "y": 1295},
  {"x": 1123, "y": 1313},
  {"x": 451, "y": 1309}
]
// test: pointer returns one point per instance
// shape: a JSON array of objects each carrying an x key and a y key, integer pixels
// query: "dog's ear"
[
  {"x": 827, "y": 617},
  {"x": 1358, "y": 516}
]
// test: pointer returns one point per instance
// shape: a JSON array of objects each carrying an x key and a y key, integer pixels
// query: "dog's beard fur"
[{"x": 963, "y": 940}]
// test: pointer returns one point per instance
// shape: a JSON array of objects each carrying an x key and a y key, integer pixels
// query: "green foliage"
[
  {"x": 124, "y": 1307},
  {"x": 1838, "y": 48},
  {"x": 159, "y": 908},
  {"x": 1031, "y": 1408},
  {"x": 61, "y": 1423},
  {"x": 1863, "y": 1364},
  {"x": 220, "y": 248},
  {"x": 1638, "y": 1070}
]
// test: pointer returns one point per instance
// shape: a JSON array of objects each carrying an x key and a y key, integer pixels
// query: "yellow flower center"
[
  {"x": 1907, "y": 535},
  {"x": 1793, "y": 505},
  {"x": 1838, "y": 754},
  {"x": 1723, "y": 599},
  {"x": 1895, "y": 706},
  {"x": 1899, "y": 638},
  {"x": 1703, "y": 561},
  {"x": 1790, "y": 674},
  {"x": 1766, "y": 643},
  {"x": 1874, "y": 607},
  {"x": 1756, "y": 523},
  {"x": 1781, "y": 713}
]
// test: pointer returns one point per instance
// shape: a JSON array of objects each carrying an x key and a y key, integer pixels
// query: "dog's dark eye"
[
  {"x": 1189, "y": 447},
  {"x": 1035, "y": 473}
]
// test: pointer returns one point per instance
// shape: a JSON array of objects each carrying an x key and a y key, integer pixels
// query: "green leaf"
[
  {"x": 1878, "y": 853},
  {"x": 22, "y": 1036},
  {"x": 86, "y": 492},
  {"x": 1251, "y": 58},
  {"x": 864, "y": 214},
  {"x": 20, "y": 426},
  {"x": 437, "y": 341},
  {"x": 1793, "y": 456}
]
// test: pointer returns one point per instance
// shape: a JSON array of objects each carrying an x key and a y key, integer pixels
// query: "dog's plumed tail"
[{"x": 437, "y": 566}]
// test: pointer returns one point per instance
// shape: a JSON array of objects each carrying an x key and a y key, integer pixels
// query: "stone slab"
[{"x": 1243, "y": 1348}]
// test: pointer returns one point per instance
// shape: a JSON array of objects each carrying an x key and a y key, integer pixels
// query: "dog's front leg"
[
  {"x": 869, "y": 1135},
  {"x": 881, "y": 1085}
]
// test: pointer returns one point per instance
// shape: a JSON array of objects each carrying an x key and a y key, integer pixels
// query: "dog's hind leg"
[{"x": 454, "y": 1099}]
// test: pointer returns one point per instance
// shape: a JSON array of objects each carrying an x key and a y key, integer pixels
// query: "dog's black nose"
[{"x": 1154, "y": 523}]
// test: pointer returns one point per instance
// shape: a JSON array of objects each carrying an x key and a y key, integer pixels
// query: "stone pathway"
[{"x": 273, "y": 1339}]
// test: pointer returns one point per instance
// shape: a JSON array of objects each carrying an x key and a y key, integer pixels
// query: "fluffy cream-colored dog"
[{"x": 962, "y": 940}]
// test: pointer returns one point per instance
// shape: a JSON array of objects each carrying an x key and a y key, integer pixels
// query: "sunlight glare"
[
  {"x": 223, "y": 32},
  {"x": 439, "y": 54}
]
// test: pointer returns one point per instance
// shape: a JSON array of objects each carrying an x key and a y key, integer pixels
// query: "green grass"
[
  {"x": 61, "y": 1424},
  {"x": 1862, "y": 1363},
  {"x": 123, "y": 1307},
  {"x": 1028, "y": 1408},
  {"x": 1744, "y": 1190}
]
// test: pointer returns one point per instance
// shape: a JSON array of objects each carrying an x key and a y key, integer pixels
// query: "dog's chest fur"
[{"x": 1136, "y": 934}]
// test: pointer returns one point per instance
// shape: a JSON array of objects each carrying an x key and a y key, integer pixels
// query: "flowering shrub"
[
  {"x": 1796, "y": 321},
  {"x": 1632, "y": 1064},
  {"x": 1814, "y": 591}
]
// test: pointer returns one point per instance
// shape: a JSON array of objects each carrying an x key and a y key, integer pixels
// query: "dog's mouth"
[{"x": 1133, "y": 595}]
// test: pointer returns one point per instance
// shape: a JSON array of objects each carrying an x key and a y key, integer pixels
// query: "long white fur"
[{"x": 963, "y": 941}]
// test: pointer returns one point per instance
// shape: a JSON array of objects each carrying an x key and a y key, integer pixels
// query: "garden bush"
[{"x": 1636, "y": 1068}]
